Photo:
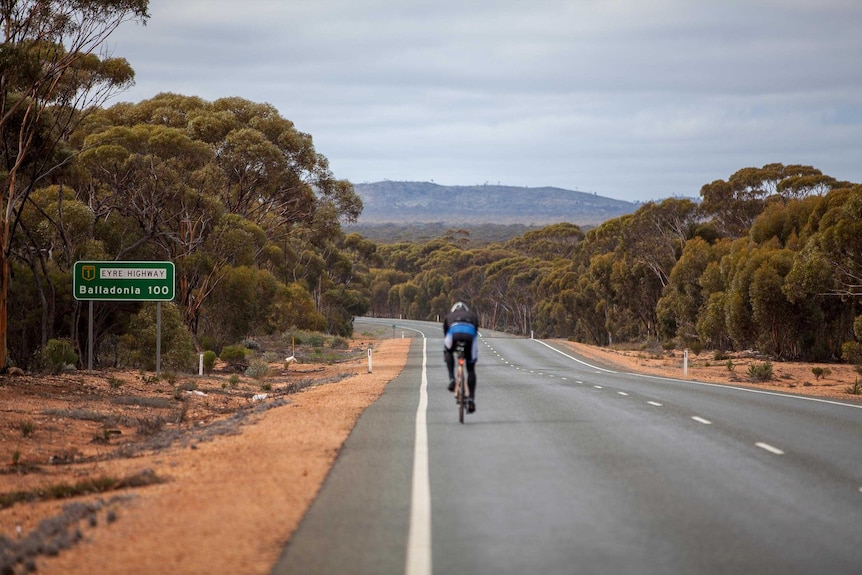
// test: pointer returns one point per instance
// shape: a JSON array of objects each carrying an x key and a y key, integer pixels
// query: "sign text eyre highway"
[{"x": 124, "y": 281}]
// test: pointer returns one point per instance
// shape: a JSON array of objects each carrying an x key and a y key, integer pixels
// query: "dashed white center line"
[
  {"x": 598, "y": 386},
  {"x": 769, "y": 448},
  {"x": 655, "y": 403},
  {"x": 702, "y": 420},
  {"x": 622, "y": 393}
]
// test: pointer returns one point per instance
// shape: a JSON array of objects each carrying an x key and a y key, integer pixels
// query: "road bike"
[{"x": 462, "y": 390}]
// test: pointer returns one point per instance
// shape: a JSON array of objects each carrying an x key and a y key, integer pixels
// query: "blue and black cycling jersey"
[{"x": 463, "y": 328}]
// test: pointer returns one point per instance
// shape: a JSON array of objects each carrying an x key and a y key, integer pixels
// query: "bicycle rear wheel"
[{"x": 460, "y": 388}]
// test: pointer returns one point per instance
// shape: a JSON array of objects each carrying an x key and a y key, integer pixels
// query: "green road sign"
[{"x": 124, "y": 281}]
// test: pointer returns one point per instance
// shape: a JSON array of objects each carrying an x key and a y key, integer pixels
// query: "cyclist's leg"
[
  {"x": 471, "y": 353},
  {"x": 450, "y": 360},
  {"x": 471, "y": 378}
]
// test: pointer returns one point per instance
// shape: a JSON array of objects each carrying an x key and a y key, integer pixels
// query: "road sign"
[{"x": 123, "y": 281}]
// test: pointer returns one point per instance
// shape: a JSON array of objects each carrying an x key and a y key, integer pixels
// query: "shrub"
[
  {"x": 209, "y": 361},
  {"x": 257, "y": 369},
  {"x": 150, "y": 426},
  {"x": 719, "y": 355},
  {"x": 234, "y": 354},
  {"x": 251, "y": 344},
  {"x": 315, "y": 340},
  {"x": 59, "y": 354},
  {"x": 851, "y": 352},
  {"x": 855, "y": 389},
  {"x": 339, "y": 343},
  {"x": 820, "y": 372},
  {"x": 729, "y": 365},
  {"x": 272, "y": 357},
  {"x": 760, "y": 371},
  {"x": 137, "y": 347},
  {"x": 28, "y": 428}
]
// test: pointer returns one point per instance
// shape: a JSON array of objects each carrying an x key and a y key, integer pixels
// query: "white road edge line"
[
  {"x": 721, "y": 385},
  {"x": 769, "y": 448},
  {"x": 419, "y": 538}
]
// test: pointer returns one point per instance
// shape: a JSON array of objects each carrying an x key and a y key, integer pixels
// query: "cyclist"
[{"x": 462, "y": 325}]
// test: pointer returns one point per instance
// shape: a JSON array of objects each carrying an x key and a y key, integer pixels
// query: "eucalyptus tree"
[
  {"x": 54, "y": 230},
  {"x": 828, "y": 267},
  {"x": 692, "y": 283},
  {"x": 834, "y": 243},
  {"x": 736, "y": 202},
  {"x": 550, "y": 242},
  {"x": 212, "y": 185},
  {"x": 51, "y": 73},
  {"x": 657, "y": 232}
]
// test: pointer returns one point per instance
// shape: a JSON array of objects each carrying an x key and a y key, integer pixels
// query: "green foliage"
[
  {"x": 255, "y": 231},
  {"x": 251, "y": 344},
  {"x": 209, "y": 361},
  {"x": 234, "y": 354},
  {"x": 257, "y": 368},
  {"x": 851, "y": 352},
  {"x": 314, "y": 340},
  {"x": 272, "y": 357},
  {"x": 339, "y": 343},
  {"x": 855, "y": 389},
  {"x": 760, "y": 371},
  {"x": 137, "y": 348},
  {"x": 27, "y": 428},
  {"x": 53, "y": 78},
  {"x": 58, "y": 354},
  {"x": 820, "y": 372}
]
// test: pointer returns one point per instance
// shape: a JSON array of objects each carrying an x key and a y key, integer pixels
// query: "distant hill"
[
  {"x": 402, "y": 203},
  {"x": 421, "y": 232}
]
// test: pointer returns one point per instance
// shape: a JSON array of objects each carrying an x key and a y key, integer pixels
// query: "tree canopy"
[{"x": 252, "y": 217}]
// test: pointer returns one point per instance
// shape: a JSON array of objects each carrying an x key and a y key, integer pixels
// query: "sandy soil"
[
  {"x": 838, "y": 381},
  {"x": 203, "y": 475},
  {"x": 223, "y": 496}
]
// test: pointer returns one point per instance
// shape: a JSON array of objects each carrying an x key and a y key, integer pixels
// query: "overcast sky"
[{"x": 630, "y": 99}]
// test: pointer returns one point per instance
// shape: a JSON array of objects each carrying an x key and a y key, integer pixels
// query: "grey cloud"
[{"x": 630, "y": 99}]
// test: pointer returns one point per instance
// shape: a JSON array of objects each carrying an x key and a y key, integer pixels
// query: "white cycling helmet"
[{"x": 459, "y": 305}]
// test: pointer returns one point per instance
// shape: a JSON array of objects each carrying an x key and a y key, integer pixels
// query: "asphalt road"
[{"x": 568, "y": 467}]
